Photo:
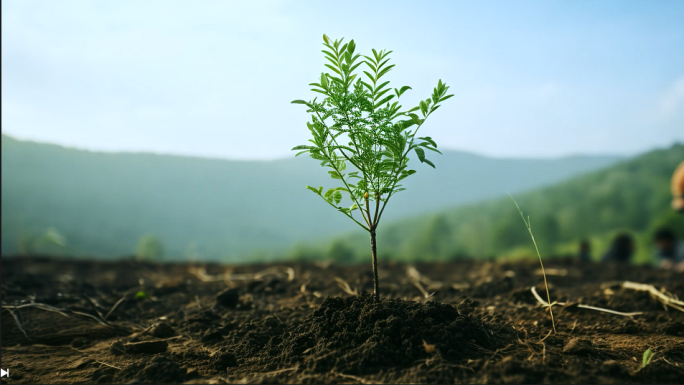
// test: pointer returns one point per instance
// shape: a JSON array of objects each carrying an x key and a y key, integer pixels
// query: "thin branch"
[
  {"x": 348, "y": 190},
  {"x": 396, "y": 172}
]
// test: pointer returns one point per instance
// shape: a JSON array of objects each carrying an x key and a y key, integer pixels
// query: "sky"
[{"x": 215, "y": 78}]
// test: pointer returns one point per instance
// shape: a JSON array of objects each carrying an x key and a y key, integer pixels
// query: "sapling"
[
  {"x": 360, "y": 132},
  {"x": 646, "y": 359}
]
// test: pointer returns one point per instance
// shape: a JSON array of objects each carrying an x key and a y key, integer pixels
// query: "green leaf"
[
  {"x": 302, "y": 147},
  {"x": 351, "y": 46},
  {"x": 383, "y": 101},
  {"x": 300, "y": 102},
  {"x": 429, "y": 139},
  {"x": 430, "y": 163},
  {"x": 335, "y": 174},
  {"x": 433, "y": 149},
  {"x": 378, "y": 95},
  {"x": 317, "y": 191},
  {"x": 648, "y": 356},
  {"x": 421, "y": 154},
  {"x": 381, "y": 86},
  {"x": 140, "y": 295},
  {"x": 326, "y": 39},
  {"x": 385, "y": 70},
  {"x": 338, "y": 197},
  {"x": 423, "y": 107}
]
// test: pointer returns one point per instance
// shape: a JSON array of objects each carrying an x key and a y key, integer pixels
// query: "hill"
[
  {"x": 633, "y": 195},
  {"x": 102, "y": 204}
]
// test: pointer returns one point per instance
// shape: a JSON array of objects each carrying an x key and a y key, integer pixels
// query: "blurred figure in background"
[
  {"x": 584, "y": 253},
  {"x": 678, "y": 189},
  {"x": 621, "y": 249},
  {"x": 670, "y": 252}
]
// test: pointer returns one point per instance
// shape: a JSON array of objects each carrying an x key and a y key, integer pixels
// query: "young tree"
[
  {"x": 361, "y": 134},
  {"x": 149, "y": 248}
]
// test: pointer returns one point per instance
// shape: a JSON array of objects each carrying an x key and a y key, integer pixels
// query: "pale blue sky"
[{"x": 215, "y": 78}]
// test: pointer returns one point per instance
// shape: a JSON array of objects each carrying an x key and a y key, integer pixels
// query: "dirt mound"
[{"x": 357, "y": 335}]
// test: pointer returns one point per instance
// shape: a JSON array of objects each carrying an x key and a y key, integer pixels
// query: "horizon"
[
  {"x": 530, "y": 79},
  {"x": 135, "y": 152}
]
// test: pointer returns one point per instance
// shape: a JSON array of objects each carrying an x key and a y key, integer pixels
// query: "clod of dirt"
[
  {"x": 223, "y": 360},
  {"x": 212, "y": 336},
  {"x": 613, "y": 368},
  {"x": 104, "y": 375},
  {"x": 228, "y": 298},
  {"x": 162, "y": 330},
  {"x": 580, "y": 347},
  {"x": 159, "y": 370},
  {"x": 79, "y": 342},
  {"x": 357, "y": 335},
  {"x": 143, "y": 347},
  {"x": 268, "y": 286}
]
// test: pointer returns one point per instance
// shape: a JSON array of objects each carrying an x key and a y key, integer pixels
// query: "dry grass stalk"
[
  {"x": 546, "y": 285},
  {"x": 201, "y": 274},
  {"x": 581, "y": 306},
  {"x": 345, "y": 286},
  {"x": 415, "y": 277},
  {"x": 358, "y": 380},
  {"x": 667, "y": 299}
]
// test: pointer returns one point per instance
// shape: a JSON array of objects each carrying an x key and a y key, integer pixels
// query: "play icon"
[{"x": 4, "y": 373}]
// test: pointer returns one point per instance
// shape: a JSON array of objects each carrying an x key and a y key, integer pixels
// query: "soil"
[{"x": 70, "y": 321}]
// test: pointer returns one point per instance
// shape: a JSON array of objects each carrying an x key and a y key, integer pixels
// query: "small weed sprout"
[
  {"x": 529, "y": 230},
  {"x": 648, "y": 356},
  {"x": 359, "y": 123}
]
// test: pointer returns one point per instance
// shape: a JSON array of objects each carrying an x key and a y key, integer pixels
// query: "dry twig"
[
  {"x": 415, "y": 277},
  {"x": 667, "y": 299},
  {"x": 581, "y": 306},
  {"x": 345, "y": 286},
  {"x": 114, "y": 307}
]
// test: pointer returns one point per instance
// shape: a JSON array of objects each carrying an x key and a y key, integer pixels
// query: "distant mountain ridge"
[
  {"x": 103, "y": 203},
  {"x": 632, "y": 195}
]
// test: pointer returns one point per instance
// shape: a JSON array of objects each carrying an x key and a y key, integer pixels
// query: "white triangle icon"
[{"x": 4, "y": 373}]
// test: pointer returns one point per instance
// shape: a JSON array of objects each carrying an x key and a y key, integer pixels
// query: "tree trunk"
[{"x": 374, "y": 252}]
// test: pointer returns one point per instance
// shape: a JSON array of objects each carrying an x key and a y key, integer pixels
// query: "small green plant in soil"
[
  {"x": 646, "y": 359},
  {"x": 360, "y": 132}
]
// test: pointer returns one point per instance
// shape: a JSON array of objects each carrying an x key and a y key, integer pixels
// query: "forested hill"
[
  {"x": 632, "y": 196},
  {"x": 101, "y": 204}
]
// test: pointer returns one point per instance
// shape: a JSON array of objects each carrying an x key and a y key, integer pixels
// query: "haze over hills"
[
  {"x": 633, "y": 195},
  {"x": 103, "y": 203}
]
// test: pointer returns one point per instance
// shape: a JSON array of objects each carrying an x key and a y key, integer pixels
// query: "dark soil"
[{"x": 66, "y": 321}]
